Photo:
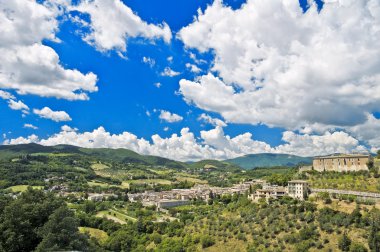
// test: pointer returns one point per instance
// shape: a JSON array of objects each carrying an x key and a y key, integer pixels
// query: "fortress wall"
[{"x": 344, "y": 163}]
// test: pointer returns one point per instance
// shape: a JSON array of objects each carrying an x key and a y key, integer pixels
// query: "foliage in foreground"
[{"x": 36, "y": 221}]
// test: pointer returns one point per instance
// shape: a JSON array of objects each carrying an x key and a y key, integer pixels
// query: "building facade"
[
  {"x": 342, "y": 163},
  {"x": 298, "y": 189},
  {"x": 268, "y": 192}
]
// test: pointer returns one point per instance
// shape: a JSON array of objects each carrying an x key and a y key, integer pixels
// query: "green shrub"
[
  {"x": 344, "y": 243},
  {"x": 207, "y": 241},
  {"x": 358, "y": 247}
]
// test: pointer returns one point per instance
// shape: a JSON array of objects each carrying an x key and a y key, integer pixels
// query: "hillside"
[
  {"x": 214, "y": 164},
  {"x": 31, "y": 164},
  {"x": 106, "y": 154},
  {"x": 269, "y": 160}
]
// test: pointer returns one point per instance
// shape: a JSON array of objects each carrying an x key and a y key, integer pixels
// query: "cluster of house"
[
  {"x": 296, "y": 189},
  {"x": 101, "y": 196},
  {"x": 177, "y": 197}
]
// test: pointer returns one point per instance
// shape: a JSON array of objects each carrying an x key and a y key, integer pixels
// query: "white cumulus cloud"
[
  {"x": 169, "y": 72},
  {"x": 149, "y": 61},
  {"x": 67, "y": 128},
  {"x": 213, "y": 144},
  {"x": 170, "y": 117},
  {"x": 30, "y": 126},
  {"x": 19, "y": 105},
  {"x": 279, "y": 66},
  {"x": 112, "y": 23},
  {"x": 47, "y": 113},
  {"x": 6, "y": 95},
  {"x": 28, "y": 66},
  {"x": 193, "y": 68},
  {"x": 213, "y": 121}
]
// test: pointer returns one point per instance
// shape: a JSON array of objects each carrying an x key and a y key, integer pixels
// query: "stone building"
[
  {"x": 268, "y": 192},
  {"x": 298, "y": 189},
  {"x": 342, "y": 162}
]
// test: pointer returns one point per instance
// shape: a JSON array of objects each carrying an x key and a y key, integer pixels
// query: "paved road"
[{"x": 347, "y": 192}]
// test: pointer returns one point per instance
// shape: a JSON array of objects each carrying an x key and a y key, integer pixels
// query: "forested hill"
[
  {"x": 128, "y": 156},
  {"x": 107, "y": 154},
  {"x": 118, "y": 155},
  {"x": 269, "y": 160}
]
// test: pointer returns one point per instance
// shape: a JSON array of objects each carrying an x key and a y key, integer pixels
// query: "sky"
[{"x": 192, "y": 79}]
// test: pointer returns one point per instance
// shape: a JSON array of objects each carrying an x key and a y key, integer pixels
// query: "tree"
[
  {"x": 279, "y": 179},
  {"x": 207, "y": 241},
  {"x": 374, "y": 238},
  {"x": 140, "y": 225},
  {"x": 344, "y": 242},
  {"x": 23, "y": 217},
  {"x": 356, "y": 215},
  {"x": 325, "y": 196},
  {"x": 89, "y": 206},
  {"x": 61, "y": 233},
  {"x": 171, "y": 245},
  {"x": 370, "y": 164},
  {"x": 358, "y": 247}
]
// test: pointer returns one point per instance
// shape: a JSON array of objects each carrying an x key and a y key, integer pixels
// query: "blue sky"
[{"x": 134, "y": 96}]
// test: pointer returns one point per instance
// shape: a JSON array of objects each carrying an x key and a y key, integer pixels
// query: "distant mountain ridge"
[
  {"x": 252, "y": 161},
  {"x": 127, "y": 156},
  {"x": 108, "y": 154},
  {"x": 120, "y": 155}
]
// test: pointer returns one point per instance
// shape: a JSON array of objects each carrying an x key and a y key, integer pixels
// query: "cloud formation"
[
  {"x": 213, "y": 121},
  {"x": 6, "y": 95},
  {"x": 57, "y": 116},
  {"x": 19, "y": 105},
  {"x": 149, "y": 61},
  {"x": 170, "y": 117},
  {"x": 279, "y": 66},
  {"x": 112, "y": 23},
  {"x": 213, "y": 144},
  {"x": 193, "y": 68},
  {"x": 169, "y": 72},
  {"x": 28, "y": 66},
  {"x": 30, "y": 126}
]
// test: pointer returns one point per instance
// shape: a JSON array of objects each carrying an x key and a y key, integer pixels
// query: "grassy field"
[
  {"x": 125, "y": 184},
  {"x": 98, "y": 166},
  {"x": 376, "y": 161},
  {"x": 98, "y": 234},
  {"x": 52, "y": 154},
  {"x": 23, "y": 188},
  {"x": 105, "y": 185},
  {"x": 96, "y": 183},
  {"x": 111, "y": 216},
  {"x": 120, "y": 174},
  {"x": 123, "y": 215},
  {"x": 116, "y": 216},
  {"x": 148, "y": 181},
  {"x": 81, "y": 169},
  {"x": 162, "y": 171},
  {"x": 191, "y": 179}
]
